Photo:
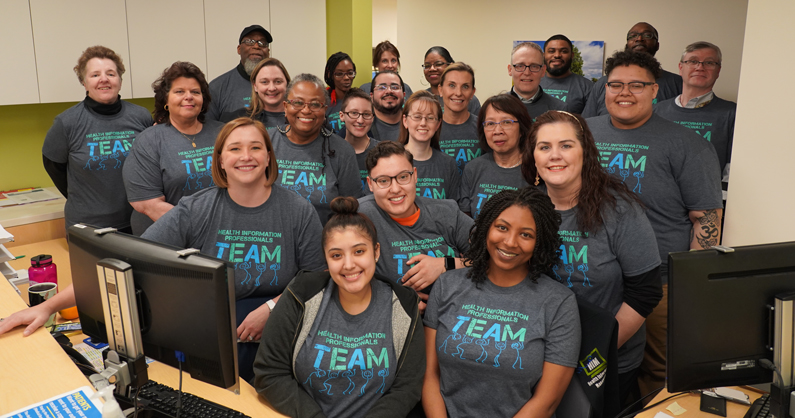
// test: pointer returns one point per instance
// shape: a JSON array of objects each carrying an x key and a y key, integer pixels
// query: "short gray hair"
[
  {"x": 531, "y": 45},
  {"x": 308, "y": 78},
  {"x": 695, "y": 46}
]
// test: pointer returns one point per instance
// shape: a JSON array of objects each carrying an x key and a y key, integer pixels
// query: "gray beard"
[{"x": 249, "y": 65}]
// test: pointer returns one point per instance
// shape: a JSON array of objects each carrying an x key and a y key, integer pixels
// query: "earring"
[
  {"x": 536, "y": 183},
  {"x": 165, "y": 108}
]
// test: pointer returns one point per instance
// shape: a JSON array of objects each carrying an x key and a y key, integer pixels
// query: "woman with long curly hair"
[
  {"x": 501, "y": 321},
  {"x": 611, "y": 257}
]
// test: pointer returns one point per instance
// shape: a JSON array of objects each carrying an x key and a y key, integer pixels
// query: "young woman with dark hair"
[
  {"x": 502, "y": 322},
  {"x": 346, "y": 342}
]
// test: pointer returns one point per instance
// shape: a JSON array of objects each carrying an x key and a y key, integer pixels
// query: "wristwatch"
[
  {"x": 271, "y": 304},
  {"x": 449, "y": 263}
]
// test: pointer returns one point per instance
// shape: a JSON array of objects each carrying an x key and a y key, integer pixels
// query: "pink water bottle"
[{"x": 42, "y": 269}]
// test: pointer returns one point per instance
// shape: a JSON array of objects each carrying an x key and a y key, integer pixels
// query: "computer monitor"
[
  {"x": 185, "y": 303},
  {"x": 720, "y": 324}
]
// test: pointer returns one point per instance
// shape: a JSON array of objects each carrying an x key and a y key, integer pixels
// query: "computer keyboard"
[
  {"x": 760, "y": 408},
  {"x": 158, "y": 400}
]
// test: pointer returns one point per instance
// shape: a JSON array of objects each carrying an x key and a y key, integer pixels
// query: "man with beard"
[
  {"x": 232, "y": 90},
  {"x": 641, "y": 38},
  {"x": 527, "y": 69},
  {"x": 559, "y": 81},
  {"x": 387, "y": 95}
]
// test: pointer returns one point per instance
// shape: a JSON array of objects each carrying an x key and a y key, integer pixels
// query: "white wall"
[
  {"x": 384, "y": 21},
  {"x": 761, "y": 196},
  {"x": 480, "y": 32}
]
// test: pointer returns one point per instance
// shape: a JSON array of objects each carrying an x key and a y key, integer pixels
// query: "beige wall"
[
  {"x": 761, "y": 193},
  {"x": 384, "y": 21},
  {"x": 480, "y": 33}
]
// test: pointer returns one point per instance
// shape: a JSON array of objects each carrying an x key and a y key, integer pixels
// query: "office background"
[{"x": 41, "y": 40}]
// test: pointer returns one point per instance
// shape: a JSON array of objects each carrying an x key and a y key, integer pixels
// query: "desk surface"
[
  {"x": 691, "y": 403},
  {"x": 35, "y": 368}
]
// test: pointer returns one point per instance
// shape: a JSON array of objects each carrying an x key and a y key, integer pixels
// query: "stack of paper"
[{"x": 6, "y": 256}]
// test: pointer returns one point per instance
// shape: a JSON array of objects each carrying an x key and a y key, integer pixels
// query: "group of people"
[{"x": 454, "y": 260}]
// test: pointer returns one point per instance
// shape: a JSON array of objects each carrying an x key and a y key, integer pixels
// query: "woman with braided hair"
[
  {"x": 610, "y": 255},
  {"x": 504, "y": 320}
]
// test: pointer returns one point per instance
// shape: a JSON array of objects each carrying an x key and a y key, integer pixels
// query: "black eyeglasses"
[
  {"x": 340, "y": 74},
  {"x": 534, "y": 68},
  {"x": 710, "y": 65},
  {"x": 635, "y": 87},
  {"x": 644, "y": 35},
  {"x": 404, "y": 177},
  {"x": 252, "y": 42},
  {"x": 355, "y": 115},
  {"x": 437, "y": 64}
]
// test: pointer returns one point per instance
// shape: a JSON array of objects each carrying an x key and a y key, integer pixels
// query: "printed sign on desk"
[{"x": 72, "y": 404}]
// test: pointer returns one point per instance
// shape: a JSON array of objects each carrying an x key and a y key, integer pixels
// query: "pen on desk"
[{"x": 18, "y": 257}]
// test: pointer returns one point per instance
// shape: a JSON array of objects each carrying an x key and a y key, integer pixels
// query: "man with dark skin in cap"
[
  {"x": 232, "y": 90},
  {"x": 642, "y": 37}
]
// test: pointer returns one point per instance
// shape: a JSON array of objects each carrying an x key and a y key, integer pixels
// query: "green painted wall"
[
  {"x": 22, "y": 131},
  {"x": 349, "y": 28}
]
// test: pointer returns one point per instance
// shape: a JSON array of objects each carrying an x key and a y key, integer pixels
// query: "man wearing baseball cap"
[{"x": 232, "y": 90}]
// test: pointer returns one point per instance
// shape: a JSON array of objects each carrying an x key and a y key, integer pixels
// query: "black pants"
[
  {"x": 246, "y": 352},
  {"x": 628, "y": 389}
]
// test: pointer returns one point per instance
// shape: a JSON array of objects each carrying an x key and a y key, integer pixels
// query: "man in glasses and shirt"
[
  {"x": 232, "y": 90},
  {"x": 698, "y": 107},
  {"x": 526, "y": 69},
  {"x": 388, "y": 97},
  {"x": 670, "y": 168},
  {"x": 641, "y": 38}
]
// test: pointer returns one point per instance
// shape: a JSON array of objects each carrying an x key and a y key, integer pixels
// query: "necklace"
[
  {"x": 192, "y": 140},
  {"x": 513, "y": 166}
]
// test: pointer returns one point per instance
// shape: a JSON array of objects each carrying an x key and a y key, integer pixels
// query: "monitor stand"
[
  {"x": 125, "y": 365},
  {"x": 781, "y": 390}
]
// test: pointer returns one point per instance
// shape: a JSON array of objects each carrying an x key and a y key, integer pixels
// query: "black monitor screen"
[
  {"x": 185, "y": 304},
  {"x": 719, "y": 321}
]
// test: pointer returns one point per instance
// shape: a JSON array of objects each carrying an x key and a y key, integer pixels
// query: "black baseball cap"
[{"x": 255, "y": 28}]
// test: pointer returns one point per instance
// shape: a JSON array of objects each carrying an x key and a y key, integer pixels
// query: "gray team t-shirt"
[
  {"x": 482, "y": 179},
  {"x": 499, "y": 337},
  {"x": 671, "y": 169},
  {"x": 594, "y": 265},
  {"x": 164, "y": 163},
  {"x": 348, "y": 361},
  {"x": 269, "y": 119},
  {"x": 334, "y": 120},
  {"x": 441, "y": 231},
  {"x": 229, "y": 91},
  {"x": 714, "y": 122},
  {"x": 461, "y": 141},
  {"x": 267, "y": 244},
  {"x": 670, "y": 87},
  {"x": 438, "y": 177},
  {"x": 572, "y": 90},
  {"x": 309, "y": 171},
  {"x": 382, "y": 131},
  {"x": 361, "y": 160},
  {"x": 95, "y": 147}
]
